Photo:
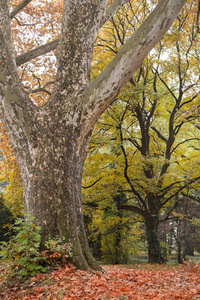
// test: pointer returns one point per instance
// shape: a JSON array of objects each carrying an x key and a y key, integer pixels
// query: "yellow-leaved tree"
[{"x": 146, "y": 145}]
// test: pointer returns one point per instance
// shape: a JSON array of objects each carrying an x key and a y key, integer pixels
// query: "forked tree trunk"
[
  {"x": 51, "y": 142},
  {"x": 154, "y": 251}
]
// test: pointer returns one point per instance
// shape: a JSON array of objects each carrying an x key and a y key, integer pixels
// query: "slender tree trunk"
[
  {"x": 117, "y": 246},
  {"x": 154, "y": 251},
  {"x": 179, "y": 257}
]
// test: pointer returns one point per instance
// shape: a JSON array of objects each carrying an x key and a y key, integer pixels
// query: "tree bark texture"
[
  {"x": 154, "y": 251},
  {"x": 51, "y": 142}
]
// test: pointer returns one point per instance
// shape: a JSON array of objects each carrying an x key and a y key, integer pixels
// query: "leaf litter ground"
[{"x": 116, "y": 282}]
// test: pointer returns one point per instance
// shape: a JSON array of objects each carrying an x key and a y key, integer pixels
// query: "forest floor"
[{"x": 133, "y": 282}]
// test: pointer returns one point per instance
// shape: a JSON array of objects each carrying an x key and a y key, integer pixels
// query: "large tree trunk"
[
  {"x": 52, "y": 182},
  {"x": 154, "y": 251}
]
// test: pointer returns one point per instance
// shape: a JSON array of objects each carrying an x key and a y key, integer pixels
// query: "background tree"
[
  {"x": 185, "y": 228},
  {"x": 50, "y": 142},
  {"x": 153, "y": 146}
]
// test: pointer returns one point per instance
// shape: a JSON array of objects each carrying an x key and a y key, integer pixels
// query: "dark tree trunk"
[
  {"x": 179, "y": 256},
  {"x": 117, "y": 246},
  {"x": 154, "y": 251}
]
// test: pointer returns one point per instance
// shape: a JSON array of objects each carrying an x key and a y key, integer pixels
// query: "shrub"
[
  {"x": 21, "y": 253},
  {"x": 58, "y": 251}
]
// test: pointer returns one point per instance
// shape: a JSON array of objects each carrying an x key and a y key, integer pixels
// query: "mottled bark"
[
  {"x": 50, "y": 142},
  {"x": 53, "y": 185}
]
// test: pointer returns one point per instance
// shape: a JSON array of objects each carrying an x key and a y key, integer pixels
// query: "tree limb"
[
  {"x": 119, "y": 71},
  {"x": 132, "y": 208},
  {"x": 113, "y": 8},
  {"x": 159, "y": 134},
  {"x": 180, "y": 189},
  {"x": 167, "y": 214},
  {"x": 185, "y": 141},
  {"x": 197, "y": 126},
  {"x": 40, "y": 88},
  {"x": 50, "y": 46},
  {"x": 19, "y": 7},
  {"x": 89, "y": 186},
  {"x": 192, "y": 197},
  {"x": 25, "y": 57},
  {"x": 126, "y": 166}
]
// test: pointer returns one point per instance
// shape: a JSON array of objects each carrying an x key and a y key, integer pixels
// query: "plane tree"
[{"x": 50, "y": 142}]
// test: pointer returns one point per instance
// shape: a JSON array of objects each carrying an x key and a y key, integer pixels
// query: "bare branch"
[
  {"x": 159, "y": 134},
  {"x": 183, "y": 142},
  {"x": 40, "y": 88},
  {"x": 25, "y": 57},
  {"x": 193, "y": 197},
  {"x": 166, "y": 85},
  {"x": 89, "y": 186},
  {"x": 180, "y": 189},
  {"x": 19, "y": 7}
]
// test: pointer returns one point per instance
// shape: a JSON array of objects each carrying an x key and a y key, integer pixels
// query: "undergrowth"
[{"x": 22, "y": 257}]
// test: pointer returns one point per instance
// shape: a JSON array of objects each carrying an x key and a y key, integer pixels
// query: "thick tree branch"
[
  {"x": 8, "y": 72},
  {"x": 111, "y": 81},
  {"x": 18, "y": 8},
  {"x": 198, "y": 14},
  {"x": 132, "y": 208}
]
